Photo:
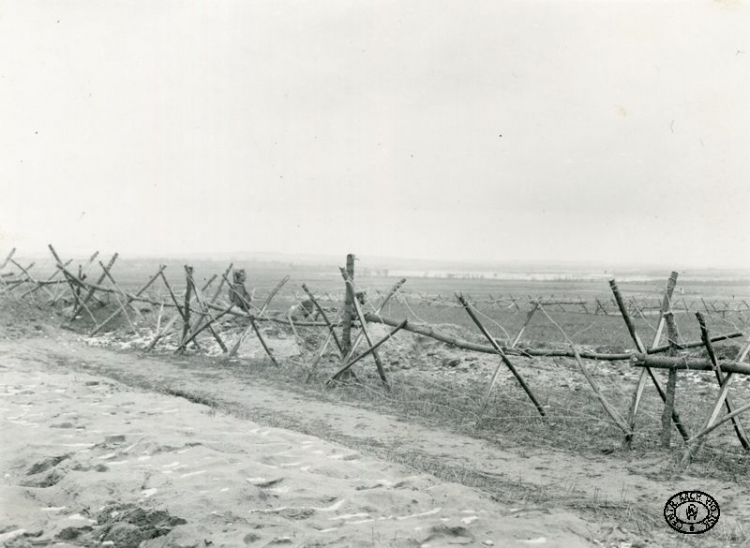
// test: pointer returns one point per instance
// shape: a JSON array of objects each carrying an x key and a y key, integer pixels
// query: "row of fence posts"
[
  {"x": 198, "y": 314},
  {"x": 595, "y": 305}
]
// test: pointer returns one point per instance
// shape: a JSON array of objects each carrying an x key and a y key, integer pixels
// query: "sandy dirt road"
[{"x": 86, "y": 448}]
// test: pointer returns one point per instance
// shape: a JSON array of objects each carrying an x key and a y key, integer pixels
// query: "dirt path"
[{"x": 315, "y": 475}]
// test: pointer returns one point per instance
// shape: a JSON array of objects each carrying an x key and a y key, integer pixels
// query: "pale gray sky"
[{"x": 485, "y": 130}]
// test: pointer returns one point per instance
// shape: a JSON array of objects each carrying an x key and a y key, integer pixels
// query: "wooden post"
[
  {"x": 254, "y": 327},
  {"x": 360, "y": 336},
  {"x": 9, "y": 287},
  {"x": 323, "y": 348},
  {"x": 199, "y": 324},
  {"x": 66, "y": 275},
  {"x": 72, "y": 283},
  {"x": 363, "y": 327},
  {"x": 374, "y": 347},
  {"x": 161, "y": 333},
  {"x": 121, "y": 292},
  {"x": 206, "y": 325},
  {"x": 172, "y": 296},
  {"x": 8, "y": 258},
  {"x": 82, "y": 269},
  {"x": 130, "y": 299},
  {"x": 258, "y": 334},
  {"x": 641, "y": 348},
  {"x": 610, "y": 410},
  {"x": 100, "y": 279},
  {"x": 29, "y": 277},
  {"x": 346, "y": 331},
  {"x": 124, "y": 302},
  {"x": 666, "y": 417},
  {"x": 712, "y": 422},
  {"x": 525, "y": 324},
  {"x": 188, "y": 295},
  {"x": 665, "y": 307},
  {"x": 221, "y": 283},
  {"x": 706, "y": 338},
  {"x": 47, "y": 281},
  {"x": 503, "y": 357},
  {"x": 204, "y": 312},
  {"x": 626, "y": 317},
  {"x": 325, "y": 318}
]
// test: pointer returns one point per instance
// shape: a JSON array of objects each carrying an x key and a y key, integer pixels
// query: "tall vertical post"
[
  {"x": 188, "y": 296},
  {"x": 666, "y": 418},
  {"x": 346, "y": 333}
]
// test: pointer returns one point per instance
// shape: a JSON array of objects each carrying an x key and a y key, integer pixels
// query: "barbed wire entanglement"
[{"x": 181, "y": 309}]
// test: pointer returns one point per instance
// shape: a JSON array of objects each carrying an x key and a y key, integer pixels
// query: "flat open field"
[{"x": 113, "y": 446}]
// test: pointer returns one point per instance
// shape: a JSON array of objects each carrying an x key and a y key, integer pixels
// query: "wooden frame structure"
[{"x": 198, "y": 311}]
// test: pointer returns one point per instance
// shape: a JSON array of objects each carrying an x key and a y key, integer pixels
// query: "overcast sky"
[{"x": 485, "y": 130}]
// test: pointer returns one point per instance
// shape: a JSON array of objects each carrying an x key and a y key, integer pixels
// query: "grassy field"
[
  {"x": 426, "y": 391},
  {"x": 432, "y": 300}
]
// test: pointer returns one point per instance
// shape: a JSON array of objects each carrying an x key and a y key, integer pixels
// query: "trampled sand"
[{"x": 87, "y": 461}]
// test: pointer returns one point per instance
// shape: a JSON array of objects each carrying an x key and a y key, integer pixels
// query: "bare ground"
[{"x": 243, "y": 462}]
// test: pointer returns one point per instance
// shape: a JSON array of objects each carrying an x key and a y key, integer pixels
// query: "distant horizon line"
[{"x": 383, "y": 260}]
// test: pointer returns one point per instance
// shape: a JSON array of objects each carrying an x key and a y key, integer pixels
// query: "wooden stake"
[
  {"x": 363, "y": 327},
  {"x": 641, "y": 348},
  {"x": 221, "y": 283},
  {"x": 666, "y": 418},
  {"x": 739, "y": 430},
  {"x": 160, "y": 334},
  {"x": 206, "y": 325},
  {"x": 8, "y": 258},
  {"x": 525, "y": 324},
  {"x": 188, "y": 295},
  {"x": 325, "y": 318},
  {"x": 130, "y": 299},
  {"x": 72, "y": 282},
  {"x": 29, "y": 277},
  {"x": 322, "y": 350},
  {"x": 711, "y": 422},
  {"x": 611, "y": 411},
  {"x": 199, "y": 324},
  {"x": 254, "y": 327},
  {"x": 119, "y": 293},
  {"x": 349, "y": 297},
  {"x": 12, "y": 285},
  {"x": 608, "y": 408},
  {"x": 172, "y": 296},
  {"x": 372, "y": 349},
  {"x": 67, "y": 275},
  {"x": 503, "y": 357},
  {"x": 665, "y": 307},
  {"x": 360, "y": 336},
  {"x": 204, "y": 312},
  {"x": 47, "y": 281},
  {"x": 102, "y": 276}
]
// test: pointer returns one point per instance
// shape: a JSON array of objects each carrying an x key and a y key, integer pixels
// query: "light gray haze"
[{"x": 487, "y": 130}]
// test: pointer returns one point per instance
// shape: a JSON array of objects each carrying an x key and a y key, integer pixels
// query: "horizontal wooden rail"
[{"x": 695, "y": 364}]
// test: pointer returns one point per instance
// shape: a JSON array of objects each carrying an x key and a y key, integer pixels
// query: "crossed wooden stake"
[{"x": 673, "y": 363}]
